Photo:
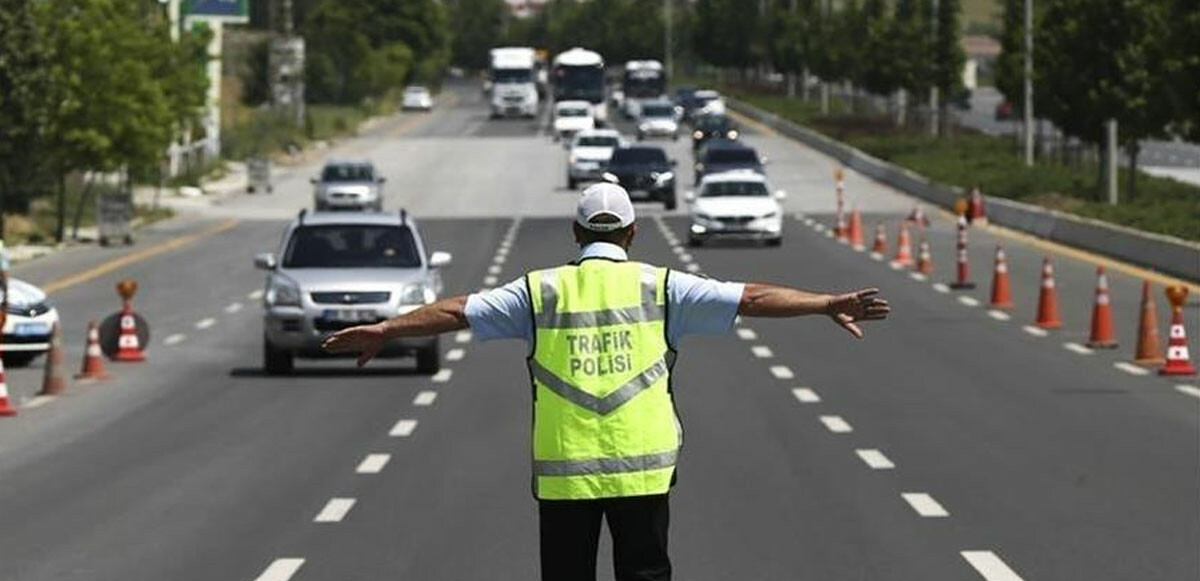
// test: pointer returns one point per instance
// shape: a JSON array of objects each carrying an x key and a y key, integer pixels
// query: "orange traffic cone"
[
  {"x": 963, "y": 281},
  {"x": 1149, "y": 352},
  {"x": 975, "y": 210},
  {"x": 903, "y": 248},
  {"x": 129, "y": 348},
  {"x": 52, "y": 381},
  {"x": 880, "y": 245},
  {"x": 856, "y": 229},
  {"x": 6, "y": 408},
  {"x": 924, "y": 258},
  {"x": 93, "y": 360},
  {"x": 1178, "y": 361},
  {"x": 918, "y": 217},
  {"x": 1102, "y": 336},
  {"x": 1001, "y": 291},
  {"x": 1047, "y": 315}
]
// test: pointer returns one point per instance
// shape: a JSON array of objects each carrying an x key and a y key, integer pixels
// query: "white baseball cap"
[{"x": 604, "y": 199}]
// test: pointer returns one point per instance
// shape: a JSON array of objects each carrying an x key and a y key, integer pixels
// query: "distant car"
[
  {"x": 645, "y": 172},
  {"x": 706, "y": 127},
  {"x": 588, "y": 156},
  {"x": 706, "y": 102},
  {"x": 334, "y": 271},
  {"x": 657, "y": 119},
  {"x": 416, "y": 98},
  {"x": 1004, "y": 111},
  {"x": 720, "y": 155},
  {"x": 348, "y": 185},
  {"x": 683, "y": 98},
  {"x": 571, "y": 117},
  {"x": 28, "y": 325},
  {"x": 735, "y": 205}
]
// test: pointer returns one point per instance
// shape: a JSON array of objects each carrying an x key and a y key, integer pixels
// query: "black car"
[
  {"x": 684, "y": 98},
  {"x": 722, "y": 155},
  {"x": 645, "y": 172},
  {"x": 706, "y": 127}
]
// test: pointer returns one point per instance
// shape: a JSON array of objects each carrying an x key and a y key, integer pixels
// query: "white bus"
[
  {"x": 513, "y": 81},
  {"x": 642, "y": 81},
  {"x": 578, "y": 75}
]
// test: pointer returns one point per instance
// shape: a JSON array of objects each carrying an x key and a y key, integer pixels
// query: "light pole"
[
  {"x": 668, "y": 41},
  {"x": 1029, "y": 83},
  {"x": 933, "y": 89}
]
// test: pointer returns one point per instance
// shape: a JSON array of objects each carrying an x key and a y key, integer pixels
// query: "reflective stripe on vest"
[{"x": 604, "y": 422}]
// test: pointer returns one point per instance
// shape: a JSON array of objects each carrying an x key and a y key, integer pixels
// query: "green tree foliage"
[
  {"x": 725, "y": 33},
  {"x": 479, "y": 25},
  {"x": 1183, "y": 86},
  {"x": 948, "y": 56},
  {"x": 25, "y": 80}
]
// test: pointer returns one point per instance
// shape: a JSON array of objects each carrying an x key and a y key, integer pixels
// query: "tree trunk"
[
  {"x": 83, "y": 198},
  {"x": 60, "y": 214},
  {"x": 1134, "y": 149}
]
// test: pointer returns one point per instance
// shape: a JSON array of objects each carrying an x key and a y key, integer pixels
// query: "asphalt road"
[{"x": 947, "y": 445}]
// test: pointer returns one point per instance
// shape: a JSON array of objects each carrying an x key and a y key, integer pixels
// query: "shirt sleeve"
[
  {"x": 501, "y": 313},
  {"x": 700, "y": 306}
]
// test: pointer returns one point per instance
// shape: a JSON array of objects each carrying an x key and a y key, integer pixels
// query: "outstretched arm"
[
  {"x": 441, "y": 317},
  {"x": 768, "y": 300}
]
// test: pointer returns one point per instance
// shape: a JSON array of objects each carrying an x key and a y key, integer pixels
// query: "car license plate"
[
  {"x": 350, "y": 315},
  {"x": 26, "y": 329},
  {"x": 589, "y": 165}
]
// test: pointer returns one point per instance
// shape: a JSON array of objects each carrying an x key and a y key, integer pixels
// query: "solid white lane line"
[
  {"x": 999, "y": 315},
  {"x": 747, "y": 334},
  {"x": 455, "y": 354},
  {"x": 462, "y": 337},
  {"x": 875, "y": 459},
  {"x": 941, "y": 287},
  {"x": 233, "y": 308},
  {"x": 425, "y": 398},
  {"x": 494, "y": 269},
  {"x": 1188, "y": 390},
  {"x": 782, "y": 372},
  {"x": 1130, "y": 368},
  {"x": 762, "y": 351},
  {"x": 39, "y": 401},
  {"x": 1035, "y": 331},
  {"x": 806, "y": 395},
  {"x": 403, "y": 428},
  {"x": 280, "y": 570},
  {"x": 442, "y": 376},
  {"x": 924, "y": 505},
  {"x": 990, "y": 566},
  {"x": 335, "y": 510},
  {"x": 174, "y": 339},
  {"x": 917, "y": 276},
  {"x": 491, "y": 280},
  {"x": 205, "y": 323},
  {"x": 693, "y": 267},
  {"x": 373, "y": 463},
  {"x": 255, "y": 295},
  {"x": 836, "y": 424},
  {"x": 969, "y": 301},
  {"x": 1077, "y": 348}
]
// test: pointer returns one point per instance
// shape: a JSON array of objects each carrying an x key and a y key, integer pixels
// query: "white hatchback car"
[
  {"x": 571, "y": 117},
  {"x": 736, "y": 205},
  {"x": 416, "y": 98}
]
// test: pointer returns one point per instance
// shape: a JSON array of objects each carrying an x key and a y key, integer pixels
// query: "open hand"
[
  {"x": 862, "y": 305},
  {"x": 366, "y": 340}
]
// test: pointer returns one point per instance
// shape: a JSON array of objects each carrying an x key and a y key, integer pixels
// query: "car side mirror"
[
  {"x": 439, "y": 259},
  {"x": 265, "y": 261},
  {"x": 780, "y": 195},
  {"x": 689, "y": 196}
]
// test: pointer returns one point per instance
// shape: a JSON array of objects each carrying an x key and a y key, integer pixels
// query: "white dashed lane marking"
[
  {"x": 924, "y": 505},
  {"x": 442, "y": 376},
  {"x": 1077, "y": 348},
  {"x": 403, "y": 428},
  {"x": 747, "y": 334},
  {"x": 490, "y": 280},
  {"x": 685, "y": 257},
  {"x": 762, "y": 351},
  {"x": 174, "y": 339},
  {"x": 1188, "y": 390},
  {"x": 876, "y": 257},
  {"x": 373, "y": 463},
  {"x": 425, "y": 398},
  {"x": 255, "y": 295},
  {"x": 280, "y": 570},
  {"x": 677, "y": 249},
  {"x": 335, "y": 510},
  {"x": 39, "y": 401},
  {"x": 205, "y": 323},
  {"x": 836, "y": 424},
  {"x": 1035, "y": 331},
  {"x": 782, "y": 372},
  {"x": 941, "y": 287},
  {"x": 499, "y": 259},
  {"x": 999, "y": 315},
  {"x": 806, "y": 395},
  {"x": 462, "y": 337},
  {"x": 969, "y": 301},
  {"x": 990, "y": 566},
  {"x": 875, "y": 459},
  {"x": 233, "y": 308},
  {"x": 692, "y": 267},
  {"x": 455, "y": 354},
  {"x": 917, "y": 276},
  {"x": 1131, "y": 368},
  {"x": 494, "y": 269}
]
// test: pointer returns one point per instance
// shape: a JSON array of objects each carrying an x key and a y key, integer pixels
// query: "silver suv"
[
  {"x": 348, "y": 185},
  {"x": 337, "y": 270}
]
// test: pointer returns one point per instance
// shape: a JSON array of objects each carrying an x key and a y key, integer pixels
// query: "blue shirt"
[{"x": 695, "y": 305}]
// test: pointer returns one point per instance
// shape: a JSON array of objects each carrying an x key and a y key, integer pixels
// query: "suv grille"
[{"x": 350, "y": 298}]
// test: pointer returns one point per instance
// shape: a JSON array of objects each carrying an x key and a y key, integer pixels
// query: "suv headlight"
[
  {"x": 733, "y": 134},
  {"x": 417, "y": 294},
  {"x": 662, "y": 178},
  {"x": 697, "y": 134},
  {"x": 282, "y": 292}
]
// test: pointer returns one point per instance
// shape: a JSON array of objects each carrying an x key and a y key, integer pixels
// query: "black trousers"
[{"x": 570, "y": 533}]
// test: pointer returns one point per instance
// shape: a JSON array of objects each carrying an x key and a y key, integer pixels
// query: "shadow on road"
[{"x": 327, "y": 372}]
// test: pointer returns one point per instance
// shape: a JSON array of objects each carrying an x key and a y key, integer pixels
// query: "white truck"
[
  {"x": 513, "y": 82},
  {"x": 578, "y": 75}
]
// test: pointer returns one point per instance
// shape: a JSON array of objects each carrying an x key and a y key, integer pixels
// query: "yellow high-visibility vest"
[{"x": 604, "y": 423}]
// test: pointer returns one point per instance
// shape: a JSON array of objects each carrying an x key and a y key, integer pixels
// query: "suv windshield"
[
  {"x": 596, "y": 141},
  {"x": 512, "y": 76},
  {"x": 731, "y": 155},
  {"x": 572, "y": 112},
  {"x": 348, "y": 173},
  {"x": 718, "y": 189},
  {"x": 351, "y": 246},
  {"x": 713, "y": 123},
  {"x": 658, "y": 111},
  {"x": 638, "y": 156}
]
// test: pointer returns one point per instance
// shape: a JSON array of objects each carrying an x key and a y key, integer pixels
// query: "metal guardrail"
[{"x": 1166, "y": 254}]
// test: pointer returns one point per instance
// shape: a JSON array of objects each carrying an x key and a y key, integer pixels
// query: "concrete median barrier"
[{"x": 1165, "y": 254}]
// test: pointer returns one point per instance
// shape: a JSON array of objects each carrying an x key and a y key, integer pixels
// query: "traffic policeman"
[{"x": 603, "y": 332}]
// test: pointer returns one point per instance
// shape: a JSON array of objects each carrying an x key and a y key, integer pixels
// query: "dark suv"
[
  {"x": 721, "y": 155},
  {"x": 706, "y": 127},
  {"x": 645, "y": 172}
]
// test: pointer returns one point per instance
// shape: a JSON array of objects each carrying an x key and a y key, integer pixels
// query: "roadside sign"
[
  {"x": 232, "y": 11},
  {"x": 114, "y": 217}
]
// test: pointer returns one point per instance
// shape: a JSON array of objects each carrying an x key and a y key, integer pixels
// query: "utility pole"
[
  {"x": 825, "y": 82},
  {"x": 1028, "y": 83},
  {"x": 1110, "y": 127},
  {"x": 934, "y": 111},
  {"x": 668, "y": 41}
]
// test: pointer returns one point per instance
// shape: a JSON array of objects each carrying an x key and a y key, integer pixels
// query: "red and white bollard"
[{"x": 963, "y": 280}]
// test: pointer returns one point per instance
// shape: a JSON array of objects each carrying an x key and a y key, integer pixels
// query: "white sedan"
[
  {"x": 736, "y": 205},
  {"x": 28, "y": 325},
  {"x": 571, "y": 117},
  {"x": 416, "y": 98}
]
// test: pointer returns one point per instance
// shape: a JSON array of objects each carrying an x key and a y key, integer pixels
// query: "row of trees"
[{"x": 89, "y": 85}]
